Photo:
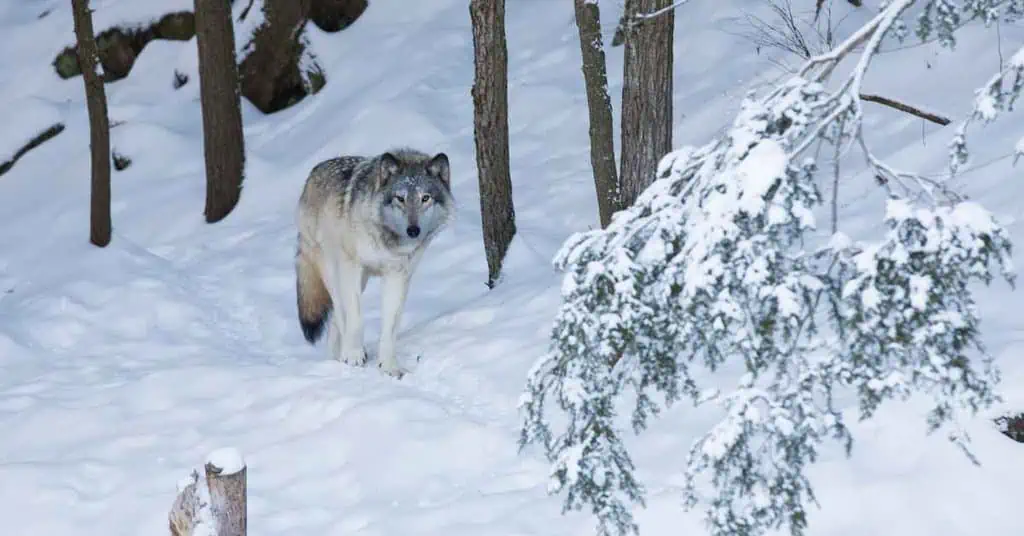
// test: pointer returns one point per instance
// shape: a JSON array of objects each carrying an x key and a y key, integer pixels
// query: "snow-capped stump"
[
  {"x": 214, "y": 505},
  {"x": 1012, "y": 426}
]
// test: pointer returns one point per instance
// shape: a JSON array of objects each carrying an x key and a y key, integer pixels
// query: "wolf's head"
[{"x": 415, "y": 194}]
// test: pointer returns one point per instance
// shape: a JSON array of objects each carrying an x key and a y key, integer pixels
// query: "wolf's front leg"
[
  {"x": 394, "y": 286},
  {"x": 349, "y": 283}
]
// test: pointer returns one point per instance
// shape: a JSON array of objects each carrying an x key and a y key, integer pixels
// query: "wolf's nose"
[{"x": 413, "y": 231}]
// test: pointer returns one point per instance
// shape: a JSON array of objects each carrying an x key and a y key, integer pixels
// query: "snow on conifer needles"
[{"x": 710, "y": 266}]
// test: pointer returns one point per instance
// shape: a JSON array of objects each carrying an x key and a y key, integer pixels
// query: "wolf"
[{"x": 360, "y": 217}]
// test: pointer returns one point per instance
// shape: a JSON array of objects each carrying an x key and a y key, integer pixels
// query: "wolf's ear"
[
  {"x": 439, "y": 167},
  {"x": 388, "y": 168}
]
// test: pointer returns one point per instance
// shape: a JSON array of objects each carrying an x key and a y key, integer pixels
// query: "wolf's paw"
[
  {"x": 353, "y": 356},
  {"x": 392, "y": 369}
]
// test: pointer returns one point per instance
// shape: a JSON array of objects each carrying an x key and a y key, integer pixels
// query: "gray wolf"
[{"x": 360, "y": 217}]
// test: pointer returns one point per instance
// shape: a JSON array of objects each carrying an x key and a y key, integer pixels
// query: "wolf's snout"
[{"x": 413, "y": 231}]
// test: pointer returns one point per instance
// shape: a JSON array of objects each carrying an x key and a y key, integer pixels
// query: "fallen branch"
[{"x": 905, "y": 108}]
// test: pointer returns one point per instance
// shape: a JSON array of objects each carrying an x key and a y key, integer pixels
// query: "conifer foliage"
[{"x": 713, "y": 267}]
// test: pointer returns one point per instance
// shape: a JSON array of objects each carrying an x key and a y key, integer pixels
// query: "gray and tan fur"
[{"x": 360, "y": 217}]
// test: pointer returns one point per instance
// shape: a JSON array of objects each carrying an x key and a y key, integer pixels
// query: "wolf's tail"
[{"x": 314, "y": 302}]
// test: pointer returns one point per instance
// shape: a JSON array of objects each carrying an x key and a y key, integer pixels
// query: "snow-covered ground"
[{"x": 122, "y": 368}]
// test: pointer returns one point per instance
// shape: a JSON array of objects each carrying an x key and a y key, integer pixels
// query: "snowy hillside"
[{"x": 122, "y": 367}]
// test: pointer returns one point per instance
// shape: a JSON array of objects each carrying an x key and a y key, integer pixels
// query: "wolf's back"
[{"x": 328, "y": 179}]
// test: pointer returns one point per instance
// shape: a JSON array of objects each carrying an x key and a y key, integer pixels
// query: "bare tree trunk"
[
  {"x": 599, "y": 103},
  {"x": 490, "y": 131},
  {"x": 99, "y": 125},
  {"x": 223, "y": 142},
  {"x": 646, "y": 95}
]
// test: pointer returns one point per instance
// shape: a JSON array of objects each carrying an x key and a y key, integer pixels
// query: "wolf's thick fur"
[{"x": 360, "y": 217}]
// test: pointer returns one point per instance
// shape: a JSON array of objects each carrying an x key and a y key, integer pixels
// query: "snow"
[
  {"x": 122, "y": 368},
  {"x": 764, "y": 165},
  {"x": 228, "y": 459}
]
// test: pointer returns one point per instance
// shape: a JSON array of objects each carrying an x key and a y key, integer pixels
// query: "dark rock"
[
  {"x": 1012, "y": 426},
  {"x": 336, "y": 15},
  {"x": 180, "y": 26},
  {"x": 273, "y": 75},
  {"x": 180, "y": 79},
  {"x": 121, "y": 162},
  {"x": 271, "y": 78},
  {"x": 66, "y": 63},
  {"x": 117, "y": 49}
]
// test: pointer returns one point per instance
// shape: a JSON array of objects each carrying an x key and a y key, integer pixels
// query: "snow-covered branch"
[
  {"x": 712, "y": 266},
  {"x": 998, "y": 95}
]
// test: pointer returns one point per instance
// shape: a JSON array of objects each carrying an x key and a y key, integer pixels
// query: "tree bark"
[
  {"x": 490, "y": 131},
  {"x": 99, "y": 125},
  {"x": 228, "y": 498},
  {"x": 646, "y": 96},
  {"x": 599, "y": 104},
  {"x": 223, "y": 141}
]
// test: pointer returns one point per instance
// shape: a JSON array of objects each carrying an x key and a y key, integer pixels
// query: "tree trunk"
[
  {"x": 646, "y": 95},
  {"x": 599, "y": 103},
  {"x": 99, "y": 125},
  {"x": 223, "y": 141},
  {"x": 490, "y": 131}
]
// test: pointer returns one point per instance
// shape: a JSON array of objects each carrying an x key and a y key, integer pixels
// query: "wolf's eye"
[
  {"x": 425, "y": 198},
  {"x": 399, "y": 198}
]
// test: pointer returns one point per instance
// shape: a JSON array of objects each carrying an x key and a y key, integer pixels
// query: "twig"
[
  {"x": 819, "y": 4},
  {"x": 906, "y": 108},
  {"x": 835, "y": 178},
  {"x": 833, "y": 57}
]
